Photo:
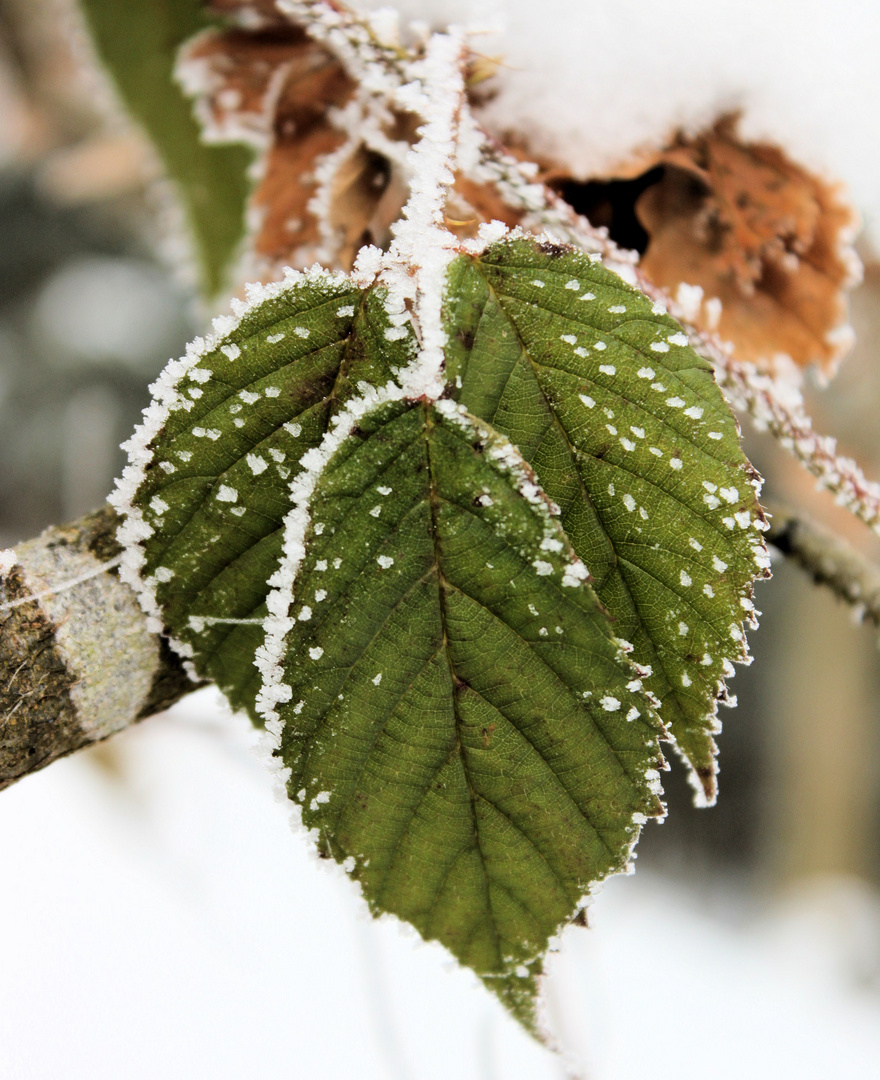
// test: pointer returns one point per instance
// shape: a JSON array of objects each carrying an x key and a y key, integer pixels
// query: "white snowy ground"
[{"x": 165, "y": 922}]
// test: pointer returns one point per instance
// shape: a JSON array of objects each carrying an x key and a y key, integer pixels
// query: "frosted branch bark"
[
  {"x": 77, "y": 663},
  {"x": 829, "y": 561}
]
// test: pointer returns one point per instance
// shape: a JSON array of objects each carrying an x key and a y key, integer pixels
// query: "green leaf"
[
  {"x": 448, "y": 695},
  {"x": 208, "y": 489},
  {"x": 460, "y": 725},
  {"x": 629, "y": 434},
  {"x": 138, "y": 43}
]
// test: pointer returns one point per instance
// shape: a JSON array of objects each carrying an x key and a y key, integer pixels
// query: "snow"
[
  {"x": 194, "y": 875},
  {"x": 802, "y": 81}
]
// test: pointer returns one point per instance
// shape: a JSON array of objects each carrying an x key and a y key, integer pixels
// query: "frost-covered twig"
[
  {"x": 828, "y": 560},
  {"x": 779, "y": 409},
  {"x": 77, "y": 663},
  {"x": 361, "y": 41},
  {"x": 414, "y": 269}
]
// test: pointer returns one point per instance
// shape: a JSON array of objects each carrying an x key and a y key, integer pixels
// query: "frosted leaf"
[
  {"x": 237, "y": 449},
  {"x": 663, "y": 530},
  {"x": 403, "y": 680}
]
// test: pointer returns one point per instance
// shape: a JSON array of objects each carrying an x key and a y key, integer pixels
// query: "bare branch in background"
[{"x": 828, "y": 560}]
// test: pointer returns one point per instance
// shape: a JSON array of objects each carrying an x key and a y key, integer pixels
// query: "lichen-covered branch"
[
  {"x": 828, "y": 560},
  {"x": 77, "y": 663}
]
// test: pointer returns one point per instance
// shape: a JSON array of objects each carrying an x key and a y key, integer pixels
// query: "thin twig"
[{"x": 829, "y": 561}]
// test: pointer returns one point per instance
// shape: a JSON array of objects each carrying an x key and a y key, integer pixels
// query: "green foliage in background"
[{"x": 138, "y": 43}]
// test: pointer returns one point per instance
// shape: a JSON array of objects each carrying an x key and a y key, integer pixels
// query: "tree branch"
[
  {"x": 77, "y": 663},
  {"x": 829, "y": 560}
]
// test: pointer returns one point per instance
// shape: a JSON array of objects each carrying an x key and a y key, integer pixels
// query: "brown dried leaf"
[
  {"x": 236, "y": 77},
  {"x": 269, "y": 85},
  {"x": 759, "y": 233},
  {"x": 765, "y": 240},
  {"x": 274, "y": 88}
]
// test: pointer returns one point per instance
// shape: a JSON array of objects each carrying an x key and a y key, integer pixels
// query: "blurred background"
[{"x": 158, "y": 917}]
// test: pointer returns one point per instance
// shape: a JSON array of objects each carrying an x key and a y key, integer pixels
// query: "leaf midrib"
[{"x": 683, "y": 706}]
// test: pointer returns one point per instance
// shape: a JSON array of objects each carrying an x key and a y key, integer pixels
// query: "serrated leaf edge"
[
  {"x": 166, "y": 398},
  {"x": 270, "y": 656},
  {"x": 760, "y": 553}
]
